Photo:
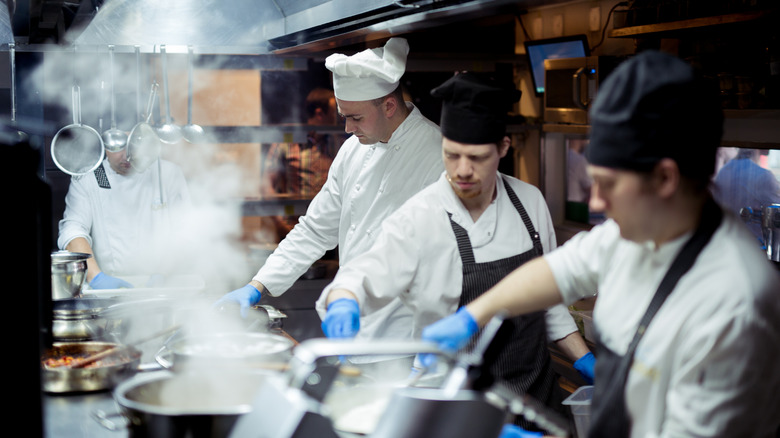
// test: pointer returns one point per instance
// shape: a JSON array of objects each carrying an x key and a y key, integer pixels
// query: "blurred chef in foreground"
[
  {"x": 694, "y": 357},
  {"x": 394, "y": 152},
  {"x": 119, "y": 215},
  {"x": 457, "y": 238}
]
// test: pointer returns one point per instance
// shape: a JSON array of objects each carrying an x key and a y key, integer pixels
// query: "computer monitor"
[{"x": 574, "y": 46}]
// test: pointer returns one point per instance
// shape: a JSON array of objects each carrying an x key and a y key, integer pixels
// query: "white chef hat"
[{"x": 370, "y": 74}]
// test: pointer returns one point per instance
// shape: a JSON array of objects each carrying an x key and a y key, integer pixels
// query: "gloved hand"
[
  {"x": 246, "y": 297},
  {"x": 585, "y": 365},
  {"x": 451, "y": 334},
  {"x": 342, "y": 320},
  {"x": 105, "y": 281},
  {"x": 512, "y": 431}
]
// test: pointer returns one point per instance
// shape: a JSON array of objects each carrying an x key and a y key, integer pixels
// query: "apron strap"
[
  {"x": 711, "y": 218},
  {"x": 462, "y": 236},
  {"x": 610, "y": 416}
]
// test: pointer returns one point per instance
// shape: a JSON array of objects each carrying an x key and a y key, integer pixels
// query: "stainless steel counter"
[{"x": 70, "y": 415}]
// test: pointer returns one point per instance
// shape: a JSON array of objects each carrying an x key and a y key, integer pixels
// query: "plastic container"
[
  {"x": 584, "y": 321},
  {"x": 579, "y": 403}
]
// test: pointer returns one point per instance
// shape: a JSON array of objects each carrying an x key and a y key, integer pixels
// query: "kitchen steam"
[{"x": 207, "y": 243}]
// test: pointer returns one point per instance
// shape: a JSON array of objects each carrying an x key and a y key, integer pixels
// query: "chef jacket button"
[
  {"x": 398, "y": 148},
  {"x": 357, "y": 187},
  {"x": 368, "y": 232},
  {"x": 352, "y": 226}
]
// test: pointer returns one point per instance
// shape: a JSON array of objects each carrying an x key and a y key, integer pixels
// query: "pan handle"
[
  {"x": 103, "y": 418},
  {"x": 76, "y": 95},
  {"x": 150, "y": 104}
]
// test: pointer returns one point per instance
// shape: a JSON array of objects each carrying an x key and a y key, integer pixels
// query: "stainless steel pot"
[
  {"x": 68, "y": 272},
  {"x": 223, "y": 351},
  {"x": 170, "y": 405},
  {"x": 82, "y": 319},
  {"x": 105, "y": 375}
]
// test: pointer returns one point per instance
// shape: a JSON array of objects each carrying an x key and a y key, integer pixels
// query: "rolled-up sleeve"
[{"x": 77, "y": 218}]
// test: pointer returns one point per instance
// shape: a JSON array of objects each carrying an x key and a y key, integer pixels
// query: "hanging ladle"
[
  {"x": 22, "y": 136},
  {"x": 192, "y": 133},
  {"x": 113, "y": 139},
  {"x": 143, "y": 145},
  {"x": 169, "y": 132}
]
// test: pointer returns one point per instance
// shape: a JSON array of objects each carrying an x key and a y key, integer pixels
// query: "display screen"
[{"x": 565, "y": 47}]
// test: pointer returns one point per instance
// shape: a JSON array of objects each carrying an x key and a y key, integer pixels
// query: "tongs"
[{"x": 82, "y": 362}]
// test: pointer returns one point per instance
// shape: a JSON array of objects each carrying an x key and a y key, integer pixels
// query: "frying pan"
[
  {"x": 143, "y": 145},
  {"x": 77, "y": 149}
]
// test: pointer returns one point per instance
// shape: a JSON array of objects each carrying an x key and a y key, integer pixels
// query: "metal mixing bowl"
[{"x": 68, "y": 272}]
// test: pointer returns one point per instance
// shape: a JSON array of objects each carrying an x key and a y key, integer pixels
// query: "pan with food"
[{"x": 60, "y": 377}]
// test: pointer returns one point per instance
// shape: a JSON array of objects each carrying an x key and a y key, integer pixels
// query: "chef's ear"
[
  {"x": 503, "y": 146},
  {"x": 666, "y": 177}
]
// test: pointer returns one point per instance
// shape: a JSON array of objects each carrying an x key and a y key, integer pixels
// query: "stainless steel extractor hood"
[{"x": 250, "y": 26}]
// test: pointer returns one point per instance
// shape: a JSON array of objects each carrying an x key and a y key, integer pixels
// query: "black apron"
[
  {"x": 523, "y": 364},
  {"x": 609, "y": 418}
]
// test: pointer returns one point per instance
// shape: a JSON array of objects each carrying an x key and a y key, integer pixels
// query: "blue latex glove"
[
  {"x": 105, "y": 281},
  {"x": 585, "y": 365},
  {"x": 246, "y": 297},
  {"x": 342, "y": 320},
  {"x": 451, "y": 334},
  {"x": 512, "y": 431}
]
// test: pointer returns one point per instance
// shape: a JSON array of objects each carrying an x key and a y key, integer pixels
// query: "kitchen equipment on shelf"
[
  {"x": 164, "y": 404},
  {"x": 168, "y": 132},
  {"x": 192, "y": 133},
  {"x": 225, "y": 351},
  {"x": 77, "y": 149},
  {"x": 769, "y": 218},
  {"x": 99, "y": 376},
  {"x": 291, "y": 404},
  {"x": 143, "y": 145},
  {"x": 114, "y": 139},
  {"x": 68, "y": 272},
  {"x": 21, "y": 135}
]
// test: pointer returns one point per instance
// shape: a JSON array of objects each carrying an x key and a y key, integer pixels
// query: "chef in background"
[
  {"x": 457, "y": 238},
  {"x": 704, "y": 361},
  {"x": 393, "y": 152},
  {"x": 116, "y": 215}
]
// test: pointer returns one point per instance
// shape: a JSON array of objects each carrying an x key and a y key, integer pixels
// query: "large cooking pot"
[
  {"x": 236, "y": 350},
  {"x": 432, "y": 413},
  {"x": 103, "y": 374},
  {"x": 68, "y": 272},
  {"x": 170, "y": 405}
]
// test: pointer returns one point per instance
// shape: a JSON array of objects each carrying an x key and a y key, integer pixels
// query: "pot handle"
[
  {"x": 161, "y": 357},
  {"x": 104, "y": 419}
]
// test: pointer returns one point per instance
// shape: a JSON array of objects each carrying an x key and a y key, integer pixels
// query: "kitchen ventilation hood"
[
  {"x": 236, "y": 26},
  {"x": 275, "y": 26}
]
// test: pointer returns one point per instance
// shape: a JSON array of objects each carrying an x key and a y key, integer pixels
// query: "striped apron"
[{"x": 523, "y": 364}]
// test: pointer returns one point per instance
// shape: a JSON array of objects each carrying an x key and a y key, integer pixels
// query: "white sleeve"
[
  {"x": 559, "y": 323},
  {"x": 383, "y": 272},
  {"x": 575, "y": 265},
  {"x": 77, "y": 218},
  {"x": 315, "y": 233}
]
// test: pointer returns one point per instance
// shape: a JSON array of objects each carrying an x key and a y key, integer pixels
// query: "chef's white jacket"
[
  {"x": 366, "y": 183},
  {"x": 708, "y": 363},
  {"x": 416, "y": 256},
  {"x": 125, "y": 225}
]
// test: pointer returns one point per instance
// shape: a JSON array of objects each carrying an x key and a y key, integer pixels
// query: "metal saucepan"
[
  {"x": 101, "y": 375},
  {"x": 77, "y": 149},
  {"x": 171, "y": 405},
  {"x": 68, "y": 272},
  {"x": 231, "y": 351},
  {"x": 81, "y": 319},
  {"x": 143, "y": 145},
  {"x": 114, "y": 139}
]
